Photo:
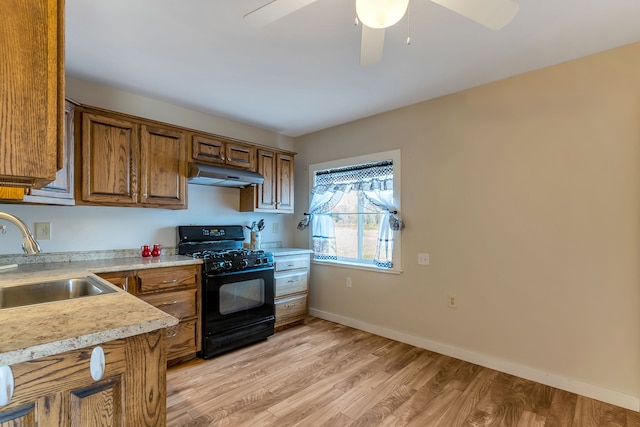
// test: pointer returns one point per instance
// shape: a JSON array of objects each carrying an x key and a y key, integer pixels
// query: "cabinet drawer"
[
  {"x": 288, "y": 308},
  {"x": 63, "y": 371},
  {"x": 291, "y": 282},
  {"x": 179, "y": 304},
  {"x": 292, "y": 262},
  {"x": 181, "y": 339},
  {"x": 159, "y": 279}
]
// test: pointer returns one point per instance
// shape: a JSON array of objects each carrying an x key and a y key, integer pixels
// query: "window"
[{"x": 353, "y": 211}]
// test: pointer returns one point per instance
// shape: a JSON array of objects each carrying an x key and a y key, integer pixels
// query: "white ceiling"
[{"x": 302, "y": 73}]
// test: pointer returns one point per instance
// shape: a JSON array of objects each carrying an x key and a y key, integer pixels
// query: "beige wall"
[{"x": 526, "y": 195}]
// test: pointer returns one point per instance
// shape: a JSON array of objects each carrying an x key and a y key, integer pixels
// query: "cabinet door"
[
  {"x": 163, "y": 165},
  {"x": 284, "y": 173},
  {"x": 209, "y": 150},
  {"x": 24, "y": 416},
  {"x": 125, "y": 280},
  {"x": 60, "y": 191},
  {"x": 100, "y": 404},
  {"x": 240, "y": 155},
  {"x": 110, "y": 155},
  {"x": 31, "y": 91},
  {"x": 266, "y": 192}
]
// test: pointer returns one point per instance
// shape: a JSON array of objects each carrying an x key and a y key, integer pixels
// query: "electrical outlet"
[
  {"x": 275, "y": 228},
  {"x": 42, "y": 230},
  {"x": 452, "y": 301},
  {"x": 423, "y": 259},
  {"x": 348, "y": 281}
]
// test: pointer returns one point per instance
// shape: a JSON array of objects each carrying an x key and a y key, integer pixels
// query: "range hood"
[{"x": 222, "y": 177}]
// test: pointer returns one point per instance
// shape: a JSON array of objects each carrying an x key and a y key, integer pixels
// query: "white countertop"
[{"x": 288, "y": 251}]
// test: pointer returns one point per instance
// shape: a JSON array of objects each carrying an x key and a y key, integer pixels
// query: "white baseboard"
[{"x": 595, "y": 392}]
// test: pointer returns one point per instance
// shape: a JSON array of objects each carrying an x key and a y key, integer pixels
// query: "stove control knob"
[
  {"x": 265, "y": 260},
  {"x": 244, "y": 263},
  {"x": 227, "y": 265},
  {"x": 258, "y": 261}
]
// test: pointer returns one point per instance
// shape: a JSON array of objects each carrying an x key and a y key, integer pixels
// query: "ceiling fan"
[{"x": 377, "y": 15}]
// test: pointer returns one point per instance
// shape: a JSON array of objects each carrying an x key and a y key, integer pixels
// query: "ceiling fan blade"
[
  {"x": 493, "y": 14},
  {"x": 274, "y": 10},
  {"x": 371, "y": 45}
]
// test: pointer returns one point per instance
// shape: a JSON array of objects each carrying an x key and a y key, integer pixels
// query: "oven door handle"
[{"x": 231, "y": 273}]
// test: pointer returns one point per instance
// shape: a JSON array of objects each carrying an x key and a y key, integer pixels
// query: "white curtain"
[
  {"x": 322, "y": 230},
  {"x": 375, "y": 183},
  {"x": 389, "y": 223}
]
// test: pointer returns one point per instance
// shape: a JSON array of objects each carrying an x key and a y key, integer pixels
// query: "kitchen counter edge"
[{"x": 41, "y": 330}]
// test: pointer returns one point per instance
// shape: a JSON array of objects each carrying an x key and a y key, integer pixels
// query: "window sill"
[{"x": 355, "y": 266}]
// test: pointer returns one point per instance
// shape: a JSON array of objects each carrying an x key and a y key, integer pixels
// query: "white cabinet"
[{"x": 291, "y": 286}]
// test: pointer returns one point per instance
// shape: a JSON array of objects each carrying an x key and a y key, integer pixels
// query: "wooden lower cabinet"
[
  {"x": 174, "y": 290},
  {"x": 291, "y": 287},
  {"x": 60, "y": 391}
]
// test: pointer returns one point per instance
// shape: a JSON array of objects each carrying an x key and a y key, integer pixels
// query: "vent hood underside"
[{"x": 222, "y": 177}]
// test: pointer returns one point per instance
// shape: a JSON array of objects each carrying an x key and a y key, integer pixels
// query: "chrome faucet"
[{"x": 29, "y": 244}]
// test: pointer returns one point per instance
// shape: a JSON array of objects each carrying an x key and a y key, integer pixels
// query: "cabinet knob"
[
  {"x": 97, "y": 363},
  {"x": 144, "y": 195},
  {"x": 6, "y": 385}
]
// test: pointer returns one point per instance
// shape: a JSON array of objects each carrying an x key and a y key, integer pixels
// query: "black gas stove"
[
  {"x": 237, "y": 287},
  {"x": 221, "y": 248}
]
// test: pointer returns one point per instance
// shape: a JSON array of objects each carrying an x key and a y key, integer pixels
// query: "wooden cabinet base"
[
  {"x": 60, "y": 391},
  {"x": 175, "y": 291}
]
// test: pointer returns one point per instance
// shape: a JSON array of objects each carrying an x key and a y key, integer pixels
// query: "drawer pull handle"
[
  {"x": 97, "y": 363},
  {"x": 169, "y": 281},
  {"x": 172, "y": 335},
  {"x": 170, "y": 303},
  {"x": 6, "y": 385},
  {"x": 293, "y": 281}
]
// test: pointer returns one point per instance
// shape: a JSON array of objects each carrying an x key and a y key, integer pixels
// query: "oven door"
[{"x": 237, "y": 299}]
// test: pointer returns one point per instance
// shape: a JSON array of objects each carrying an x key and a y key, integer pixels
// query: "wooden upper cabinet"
[
  {"x": 163, "y": 163},
  {"x": 126, "y": 162},
  {"x": 276, "y": 193},
  {"x": 284, "y": 175},
  {"x": 267, "y": 192},
  {"x": 31, "y": 91},
  {"x": 240, "y": 155},
  {"x": 223, "y": 151},
  {"x": 210, "y": 150},
  {"x": 109, "y": 161}
]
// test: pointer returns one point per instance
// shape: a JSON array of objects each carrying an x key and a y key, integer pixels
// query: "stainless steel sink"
[{"x": 57, "y": 290}]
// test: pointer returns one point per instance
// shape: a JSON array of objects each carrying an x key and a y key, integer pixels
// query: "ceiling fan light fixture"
[{"x": 381, "y": 13}]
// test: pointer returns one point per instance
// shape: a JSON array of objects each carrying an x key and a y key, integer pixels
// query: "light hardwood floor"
[{"x": 325, "y": 374}]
